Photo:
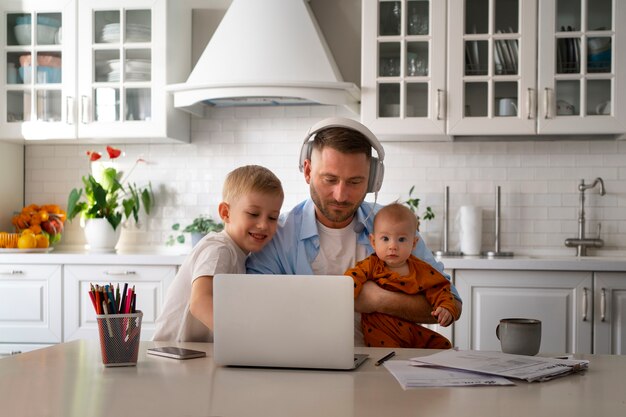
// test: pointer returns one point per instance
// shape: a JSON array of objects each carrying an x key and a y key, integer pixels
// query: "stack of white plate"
[
  {"x": 135, "y": 70},
  {"x": 134, "y": 33}
]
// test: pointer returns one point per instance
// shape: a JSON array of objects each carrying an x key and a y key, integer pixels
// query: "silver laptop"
[{"x": 287, "y": 321}]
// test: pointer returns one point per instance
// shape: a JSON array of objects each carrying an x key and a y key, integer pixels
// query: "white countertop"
[
  {"x": 609, "y": 261},
  {"x": 80, "y": 256},
  {"x": 70, "y": 380}
]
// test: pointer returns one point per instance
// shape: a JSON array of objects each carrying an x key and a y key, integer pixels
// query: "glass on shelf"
[
  {"x": 107, "y": 26},
  {"x": 475, "y": 57},
  {"x": 476, "y": 99},
  {"x": 418, "y": 17},
  {"x": 599, "y": 54},
  {"x": 567, "y": 101},
  {"x": 49, "y": 105},
  {"x": 138, "y": 26},
  {"x": 138, "y": 104},
  {"x": 389, "y": 59},
  {"x": 598, "y": 97},
  {"x": 107, "y": 104},
  {"x": 389, "y": 100},
  {"x": 417, "y": 100},
  {"x": 390, "y": 18},
  {"x": 417, "y": 59}
]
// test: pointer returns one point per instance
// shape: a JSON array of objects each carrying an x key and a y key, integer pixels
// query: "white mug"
[
  {"x": 507, "y": 107},
  {"x": 604, "y": 108}
]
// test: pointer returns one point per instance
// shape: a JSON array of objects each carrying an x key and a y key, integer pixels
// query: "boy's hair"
[
  {"x": 250, "y": 178},
  {"x": 396, "y": 212},
  {"x": 344, "y": 140}
]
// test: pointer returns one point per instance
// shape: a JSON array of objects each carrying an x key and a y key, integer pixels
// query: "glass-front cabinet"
[
  {"x": 582, "y": 66},
  {"x": 93, "y": 69},
  {"x": 511, "y": 67},
  {"x": 403, "y": 73},
  {"x": 37, "y": 79}
]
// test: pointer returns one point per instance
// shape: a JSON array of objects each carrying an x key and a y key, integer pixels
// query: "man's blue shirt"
[{"x": 297, "y": 243}]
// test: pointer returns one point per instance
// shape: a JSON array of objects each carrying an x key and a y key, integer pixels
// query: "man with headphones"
[{"x": 329, "y": 232}]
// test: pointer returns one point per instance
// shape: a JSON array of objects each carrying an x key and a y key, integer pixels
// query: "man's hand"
[
  {"x": 410, "y": 307},
  {"x": 443, "y": 316}
]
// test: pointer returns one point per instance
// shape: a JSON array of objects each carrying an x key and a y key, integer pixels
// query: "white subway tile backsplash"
[{"x": 538, "y": 179}]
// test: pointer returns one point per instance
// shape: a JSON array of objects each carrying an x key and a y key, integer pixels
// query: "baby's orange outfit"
[{"x": 384, "y": 330}]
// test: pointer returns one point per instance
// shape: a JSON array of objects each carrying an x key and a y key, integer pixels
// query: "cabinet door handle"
[
  {"x": 84, "y": 109},
  {"x": 117, "y": 273},
  {"x": 532, "y": 103},
  {"x": 584, "y": 304},
  {"x": 603, "y": 305},
  {"x": 546, "y": 103},
  {"x": 69, "y": 110},
  {"x": 441, "y": 104},
  {"x": 12, "y": 272}
]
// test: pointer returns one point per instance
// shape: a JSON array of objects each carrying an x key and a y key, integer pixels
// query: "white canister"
[{"x": 471, "y": 229}]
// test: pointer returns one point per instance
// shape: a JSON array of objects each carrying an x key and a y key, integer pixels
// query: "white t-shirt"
[
  {"x": 215, "y": 254},
  {"x": 338, "y": 253}
]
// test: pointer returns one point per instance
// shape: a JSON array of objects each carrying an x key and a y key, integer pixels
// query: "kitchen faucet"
[{"x": 581, "y": 243}]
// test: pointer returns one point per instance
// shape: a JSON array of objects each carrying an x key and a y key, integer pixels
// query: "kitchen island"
[{"x": 69, "y": 380}]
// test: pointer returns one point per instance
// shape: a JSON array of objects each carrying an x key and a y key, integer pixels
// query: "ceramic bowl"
[
  {"x": 46, "y": 35},
  {"x": 43, "y": 60},
  {"x": 45, "y": 75}
]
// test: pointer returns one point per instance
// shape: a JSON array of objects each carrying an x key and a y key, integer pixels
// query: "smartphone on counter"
[{"x": 176, "y": 352}]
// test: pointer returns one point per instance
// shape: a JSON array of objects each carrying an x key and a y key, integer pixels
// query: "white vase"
[{"x": 100, "y": 235}]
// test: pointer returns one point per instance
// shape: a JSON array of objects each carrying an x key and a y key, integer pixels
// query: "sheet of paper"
[
  {"x": 530, "y": 368},
  {"x": 410, "y": 376}
]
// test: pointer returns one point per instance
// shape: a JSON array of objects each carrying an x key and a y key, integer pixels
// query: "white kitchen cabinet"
[
  {"x": 495, "y": 67},
  {"x": 103, "y": 73},
  {"x": 562, "y": 300},
  {"x": 404, "y": 67},
  {"x": 151, "y": 283},
  {"x": 528, "y": 67},
  {"x": 30, "y": 305},
  {"x": 609, "y": 313}
]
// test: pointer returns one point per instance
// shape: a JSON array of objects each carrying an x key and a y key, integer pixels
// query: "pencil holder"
[{"x": 119, "y": 338}]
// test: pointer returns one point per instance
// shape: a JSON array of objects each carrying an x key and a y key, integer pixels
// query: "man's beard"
[{"x": 329, "y": 213}]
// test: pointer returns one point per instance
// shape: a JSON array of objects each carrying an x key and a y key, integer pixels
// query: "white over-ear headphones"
[{"x": 377, "y": 168}]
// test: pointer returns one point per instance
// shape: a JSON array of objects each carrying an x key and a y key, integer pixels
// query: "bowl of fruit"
[{"x": 38, "y": 227}]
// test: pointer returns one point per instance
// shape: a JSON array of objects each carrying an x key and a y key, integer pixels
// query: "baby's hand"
[{"x": 443, "y": 316}]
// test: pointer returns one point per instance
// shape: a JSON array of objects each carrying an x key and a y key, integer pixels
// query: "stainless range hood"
[{"x": 266, "y": 52}]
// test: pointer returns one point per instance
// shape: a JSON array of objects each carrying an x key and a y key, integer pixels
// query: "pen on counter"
[{"x": 385, "y": 358}]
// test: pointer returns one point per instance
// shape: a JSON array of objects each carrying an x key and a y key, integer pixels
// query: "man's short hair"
[
  {"x": 250, "y": 178},
  {"x": 344, "y": 140},
  {"x": 396, "y": 212}
]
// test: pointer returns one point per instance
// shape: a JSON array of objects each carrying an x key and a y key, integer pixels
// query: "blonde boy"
[
  {"x": 252, "y": 197},
  {"x": 394, "y": 268}
]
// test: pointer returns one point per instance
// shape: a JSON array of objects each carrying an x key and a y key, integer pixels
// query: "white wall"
[{"x": 538, "y": 178}]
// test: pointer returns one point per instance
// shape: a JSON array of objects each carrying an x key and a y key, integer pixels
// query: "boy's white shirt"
[
  {"x": 216, "y": 253},
  {"x": 338, "y": 253}
]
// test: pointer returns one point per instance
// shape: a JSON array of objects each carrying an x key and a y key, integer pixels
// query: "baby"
[{"x": 394, "y": 268}]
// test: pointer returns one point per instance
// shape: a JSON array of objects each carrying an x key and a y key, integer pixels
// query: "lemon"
[
  {"x": 27, "y": 241},
  {"x": 42, "y": 241}
]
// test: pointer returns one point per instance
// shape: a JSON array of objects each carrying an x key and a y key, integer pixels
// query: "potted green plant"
[
  {"x": 200, "y": 226},
  {"x": 105, "y": 201},
  {"x": 413, "y": 204}
]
